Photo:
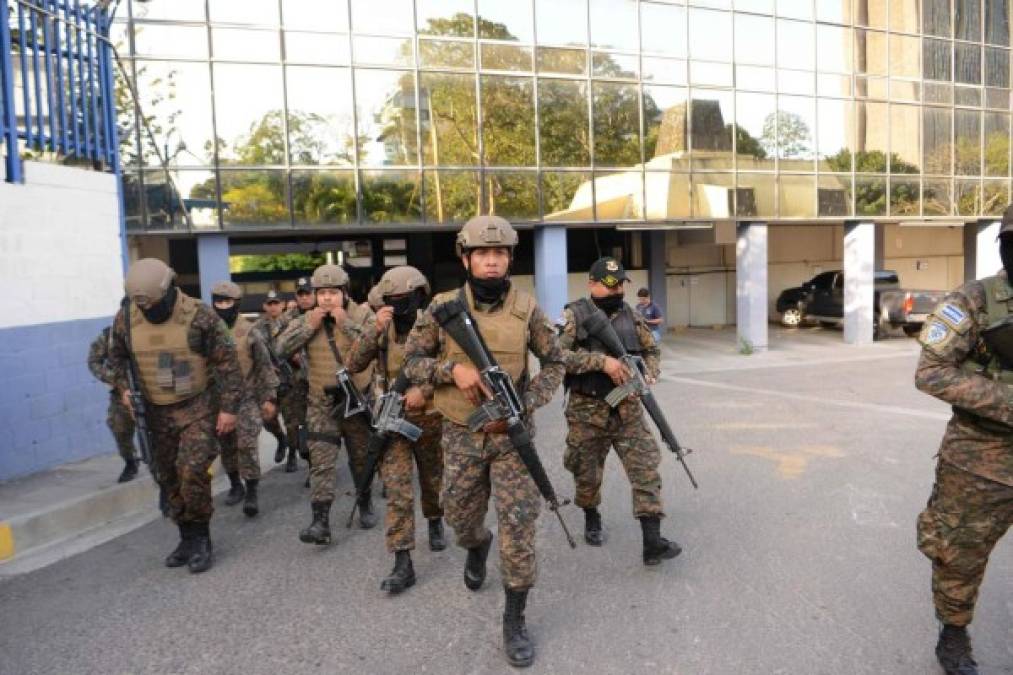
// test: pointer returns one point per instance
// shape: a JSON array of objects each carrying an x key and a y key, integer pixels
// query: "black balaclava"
[
  {"x": 229, "y": 315},
  {"x": 406, "y": 309},
  {"x": 488, "y": 291},
  {"x": 160, "y": 311},
  {"x": 1006, "y": 253},
  {"x": 609, "y": 304}
]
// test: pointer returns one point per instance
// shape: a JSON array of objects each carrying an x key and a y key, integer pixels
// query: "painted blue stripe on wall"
[{"x": 52, "y": 411}]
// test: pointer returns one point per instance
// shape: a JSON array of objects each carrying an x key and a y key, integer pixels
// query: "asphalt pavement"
[{"x": 799, "y": 556}]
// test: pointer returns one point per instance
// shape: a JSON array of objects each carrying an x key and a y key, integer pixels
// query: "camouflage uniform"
[
  {"x": 183, "y": 434},
  {"x": 971, "y": 506},
  {"x": 594, "y": 427},
  {"x": 325, "y": 420},
  {"x": 480, "y": 465},
  {"x": 239, "y": 448},
  {"x": 118, "y": 418},
  {"x": 396, "y": 467},
  {"x": 292, "y": 394}
]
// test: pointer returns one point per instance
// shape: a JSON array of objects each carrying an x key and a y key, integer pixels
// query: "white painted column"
[
  {"x": 859, "y": 279},
  {"x": 981, "y": 249},
  {"x": 751, "y": 285}
]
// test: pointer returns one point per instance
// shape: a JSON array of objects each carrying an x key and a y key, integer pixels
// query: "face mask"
[
  {"x": 609, "y": 304},
  {"x": 229, "y": 315},
  {"x": 160, "y": 311},
  {"x": 1006, "y": 254},
  {"x": 488, "y": 291},
  {"x": 405, "y": 311}
]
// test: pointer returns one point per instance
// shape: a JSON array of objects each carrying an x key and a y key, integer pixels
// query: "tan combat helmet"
[
  {"x": 227, "y": 289},
  {"x": 375, "y": 298},
  {"x": 329, "y": 276},
  {"x": 401, "y": 280},
  {"x": 147, "y": 281},
  {"x": 486, "y": 232},
  {"x": 1007, "y": 221}
]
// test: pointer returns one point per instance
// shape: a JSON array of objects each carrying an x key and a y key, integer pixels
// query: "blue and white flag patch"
[
  {"x": 935, "y": 333},
  {"x": 954, "y": 316}
]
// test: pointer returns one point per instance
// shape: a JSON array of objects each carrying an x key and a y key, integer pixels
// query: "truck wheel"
[{"x": 791, "y": 318}]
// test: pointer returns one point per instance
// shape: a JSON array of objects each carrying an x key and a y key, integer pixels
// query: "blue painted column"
[
  {"x": 657, "y": 268},
  {"x": 550, "y": 269},
  {"x": 212, "y": 262}
]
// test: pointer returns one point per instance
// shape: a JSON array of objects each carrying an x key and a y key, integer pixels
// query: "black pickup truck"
[{"x": 822, "y": 299}]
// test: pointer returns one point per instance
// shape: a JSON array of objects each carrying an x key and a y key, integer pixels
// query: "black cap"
[
  {"x": 303, "y": 285},
  {"x": 272, "y": 296},
  {"x": 1007, "y": 220},
  {"x": 608, "y": 271}
]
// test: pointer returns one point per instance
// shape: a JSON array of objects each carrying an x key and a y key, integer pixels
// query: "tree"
[
  {"x": 786, "y": 135},
  {"x": 284, "y": 262}
]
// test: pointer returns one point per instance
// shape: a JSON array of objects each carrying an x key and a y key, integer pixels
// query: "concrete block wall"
[{"x": 61, "y": 271}]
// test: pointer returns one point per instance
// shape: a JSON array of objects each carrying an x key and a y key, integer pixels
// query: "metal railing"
[{"x": 56, "y": 82}]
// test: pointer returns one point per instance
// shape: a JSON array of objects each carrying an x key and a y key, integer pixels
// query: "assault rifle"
[
  {"x": 136, "y": 397},
  {"x": 598, "y": 325},
  {"x": 390, "y": 420},
  {"x": 505, "y": 404},
  {"x": 346, "y": 389}
]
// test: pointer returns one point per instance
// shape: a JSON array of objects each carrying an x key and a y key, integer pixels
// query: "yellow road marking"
[
  {"x": 6, "y": 542},
  {"x": 790, "y": 463}
]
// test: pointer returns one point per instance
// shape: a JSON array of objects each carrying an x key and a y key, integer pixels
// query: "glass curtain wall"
[{"x": 325, "y": 113}]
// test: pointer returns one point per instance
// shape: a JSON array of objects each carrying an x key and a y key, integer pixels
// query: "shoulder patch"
[
  {"x": 936, "y": 334},
  {"x": 954, "y": 317}
]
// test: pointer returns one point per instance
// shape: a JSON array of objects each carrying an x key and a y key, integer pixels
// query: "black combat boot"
[
  {"x": 517, "y": 645},
  {"x": 309, "y": 470},
  {"x": 319, "y": 531},
  {"x": 129, "y": 471},
  {"x": 367, "y": 517},
  {"x": 437, "y": 542},
  {"x": 201, "y": 552},
  {"x": 293, "y": 460},
  {"x": 279, "y": 452},
  {"x": 250, "y": 506},
  {"x": 592, "y": 527},
  {"x": 656, "y": 547},
  {"x": 954, "y": 651},
  {"x": 474, "y": 567},
  {"x": 181, "y": 554},
  {"x": 163, "y": 501},
  {"x": 402, "y": 577},
  {"x": 236, "y": 491}
]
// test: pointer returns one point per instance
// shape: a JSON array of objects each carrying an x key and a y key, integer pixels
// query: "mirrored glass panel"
[
  {"x": 561, "y": 22},
  {"x": 997, "y": 63},
  {"x": 562, "y": 61},
  {"x": 618, "y": 196},
  {"x": 445, "y": 17},
  {"x": 316, "y": 48},
  {"x": 754, "y": 129},
  {"x": 872, "y": 126},
  {"x": 322, "y": 15},
  {"x": 512, "y": 195},
  {"x": 904, "y": 199},
  {"x": 446, "y": 54},
  {"x": 236, "y": 44},
  {"x": 497, "y": 56},
  {"x": 383, "y": 17},
  {"x": 320, "y": 126},
  {"x": 616, "y": 124},
  {"x": 250, "y": 129},
  {"x": 797, "y": 196},
  {"x": 382, "y": 51},
  {"x": 937, "y": 58},
  {"x": 663, "y": 28},
  {"x": 997, "y": 23},
  {"x": 710, "y": 35},
  {"x": 712, "y": 128},
  {"x": 905, "y": 53},
  {"x": 967, "y": 63},
  {"x": 904, "y": 16},
  {"x": 870, "y": 196},
  {"x": 614, "y": 24},
  {"x": 499, "y": 20},
  {"x": 385, "y": 110},
  {"x": 796, "y": 45},
  {"x": 834, "y": 49},
  {"x": 563, "y": 123},
  {"x": 567, "y": 196},
  {"x": 756, "y": 195},
  {"x": 795, "y": 124},
  {"x": 994, "y": 197},
  {"x": 967, "y": 20},
  {"x": 967, "y": 142},
  {"x": 997, "y": 144},
  {"x": 177, "y": 106},
  {"x": 254, "y": 198},
  {"x": 754, "y": 39},
  {"x": 391, "y": 196},
  {"x": 834, "y": 195},
  {"x": 870, "y": 52},
  {"x": 508, "y": 121},
  {"x": 451, "y": 196},
  {"x": 905, "y": 139},
  {"x": 323, "y": 197},
  {"x": 937, "y": 197},
  {"x": 713, "y": 196},
  {"x": 187, "y": 42},
  {"x": 967, "y": 197},
  {"x": 666, "y": 123},
  {"x": 450, "y": 120},
  {"x": 666, "y": 195},
  {"x": 833, "y": 11},
  {"x": 936, "y": 18},
  {"x": 174, "y": 10},
  {"x": 261, "y": 12},
  {"x": 936, "y": 140},
  {"x": 835, "y": 141}
]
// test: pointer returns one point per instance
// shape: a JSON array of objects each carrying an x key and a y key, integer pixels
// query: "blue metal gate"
[{"x": 56, "y": 82}]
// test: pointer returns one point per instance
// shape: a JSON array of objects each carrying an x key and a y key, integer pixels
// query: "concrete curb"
[{"x": 33, "y": 540}]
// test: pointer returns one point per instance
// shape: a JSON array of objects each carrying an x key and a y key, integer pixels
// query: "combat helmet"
[
  {"x": 329, "y": 276},
  {"x": 401, "y": 280},
  {"x": 486, "y": 232},
  {"x": 148, "y": 280},
  {"x": 227, "y": 289}
]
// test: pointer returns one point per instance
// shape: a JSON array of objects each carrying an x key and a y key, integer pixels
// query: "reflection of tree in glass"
[
  {"x": 870, "y": 195},
  {"x": 283, "y": 262},
  {"x": 787, "y": 133}
]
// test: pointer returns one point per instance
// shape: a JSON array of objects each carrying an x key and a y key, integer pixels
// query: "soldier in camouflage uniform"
[
  {"x": 240, "y": 454},
  {"x": 293, "y": 403},
  {"x": 401, "y": 292},
  {"x": 328, "y": 333},
  {"x": 595, "y": 427},
  {"x": 971, "y": 506},
  {"x": 118, "y": 418},
  {"x": 179, "y": 347},
  {"x": 484, "y": 464},
  {"x": 270, "y": 326}
]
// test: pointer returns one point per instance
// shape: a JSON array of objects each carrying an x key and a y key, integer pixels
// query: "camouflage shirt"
[
  {"x": 425, "y": 344},
  {"x": 579, "y": 360},
  {"x": 98, "y": 358},
  {"x": 298, "y": 332},
  {"x": 208, "y": 336},
  {"x": 262, "y": 381},
  {"x": 979, "y": 436},
  {"x": 373, "y": 345}
]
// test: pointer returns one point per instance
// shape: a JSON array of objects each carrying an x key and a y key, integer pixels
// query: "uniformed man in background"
[{"x": 118, "y": 418}]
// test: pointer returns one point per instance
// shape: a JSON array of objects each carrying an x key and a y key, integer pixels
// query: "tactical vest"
[
  {"x": 394, "y": 359},
  {"x": 505, "y": 333},
  {"x": 241, "y": 332},
  {"x": 323, "y": 366},
  {"x": 998, "y": 305},
  {"x": 597, "y": 384},
  {"x": 170, "y": 371}
]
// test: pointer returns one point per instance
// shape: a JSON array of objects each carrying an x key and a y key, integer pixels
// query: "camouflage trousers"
[
  {"x": 325, "y": 436},
  {"x": 397, "y": 473},
  {"x": 121, "y": 424},
  {"x": 184, "y": 446},
  {"x": 965, "y": 517},
  {"x": 587, "y": 447},
  {"x": 475, "y": 468},
  {"x": 293, "y": 406},
  {"x": 240, "y": 453}
]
